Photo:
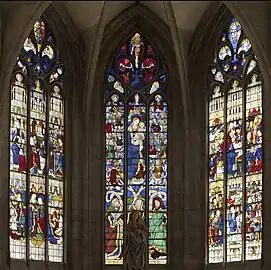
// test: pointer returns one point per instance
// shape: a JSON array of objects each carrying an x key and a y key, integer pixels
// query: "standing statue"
[{"x": 136, "y": 238}]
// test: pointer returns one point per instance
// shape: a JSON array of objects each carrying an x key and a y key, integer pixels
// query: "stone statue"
[{"x": 134, "y": 252}]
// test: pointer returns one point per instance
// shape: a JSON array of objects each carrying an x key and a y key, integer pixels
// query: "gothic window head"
[
  {"x": 235, "y": 138},
  {"x": 136, "y": 126},
  {"x": 36, "y": 173}
]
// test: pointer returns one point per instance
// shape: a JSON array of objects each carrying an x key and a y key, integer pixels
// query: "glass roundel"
[{"x": 136, "y": 138}]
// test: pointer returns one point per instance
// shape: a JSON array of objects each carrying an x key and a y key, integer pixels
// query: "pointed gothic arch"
[
  {"x": 64, "y": 70},
  {"x": 137, "y": 18},
  {"x": 201, "y": 55},
  {"x": 236, "y": 168},
  {"x": 37, "y": 132},
  {"x": 136, "y": 125}
]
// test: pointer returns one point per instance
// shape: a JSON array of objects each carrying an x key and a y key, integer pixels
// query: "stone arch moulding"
[
  {"x": 136, "y": 18},
  {"x": 68, "y": 40},
  {"x": 10, "y": 51},
  {"x": 65, "y": 34},
  {"x": 69, "y": 50},
  {"x": 202, "y": 48},
  {"x": 251, "y": 32},
  {"x": 201, "y": 55},
  {"x": 199, "y": 47}
]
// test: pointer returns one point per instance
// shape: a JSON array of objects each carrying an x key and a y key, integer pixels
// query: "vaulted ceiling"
[{"x": 85, "y": 14}]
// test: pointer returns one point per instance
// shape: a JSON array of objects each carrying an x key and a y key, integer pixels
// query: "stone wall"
[{"x": 86, "y": 59}]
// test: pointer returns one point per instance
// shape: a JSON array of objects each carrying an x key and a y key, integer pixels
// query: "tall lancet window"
[
  {"x": 136, "y": 126},
  {"x": 36, "y": 178},
  {"x": 235, "y": 150}
]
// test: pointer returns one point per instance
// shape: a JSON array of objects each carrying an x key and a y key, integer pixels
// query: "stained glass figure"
[
  {"x": 115, "y": 175},
  {"x": 37, "y": 149},
  {"x": 136, "y": 119},
  {"x": 235, "y": 151}
]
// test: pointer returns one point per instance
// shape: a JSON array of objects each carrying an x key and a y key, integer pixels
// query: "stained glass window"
[
  {"x": 36, "y": 178},
  {"x": 235, "y": 150},
  {"x": 136, "y": 116}
]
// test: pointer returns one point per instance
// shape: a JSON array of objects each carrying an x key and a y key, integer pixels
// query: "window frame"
[
  {"x": 147, "y": 100},
  {"x": 28, "y": 80},
  {"x": 244, "y": 80}
]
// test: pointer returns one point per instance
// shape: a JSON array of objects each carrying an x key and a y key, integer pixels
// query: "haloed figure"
[{"x": 157, "y": 223}]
